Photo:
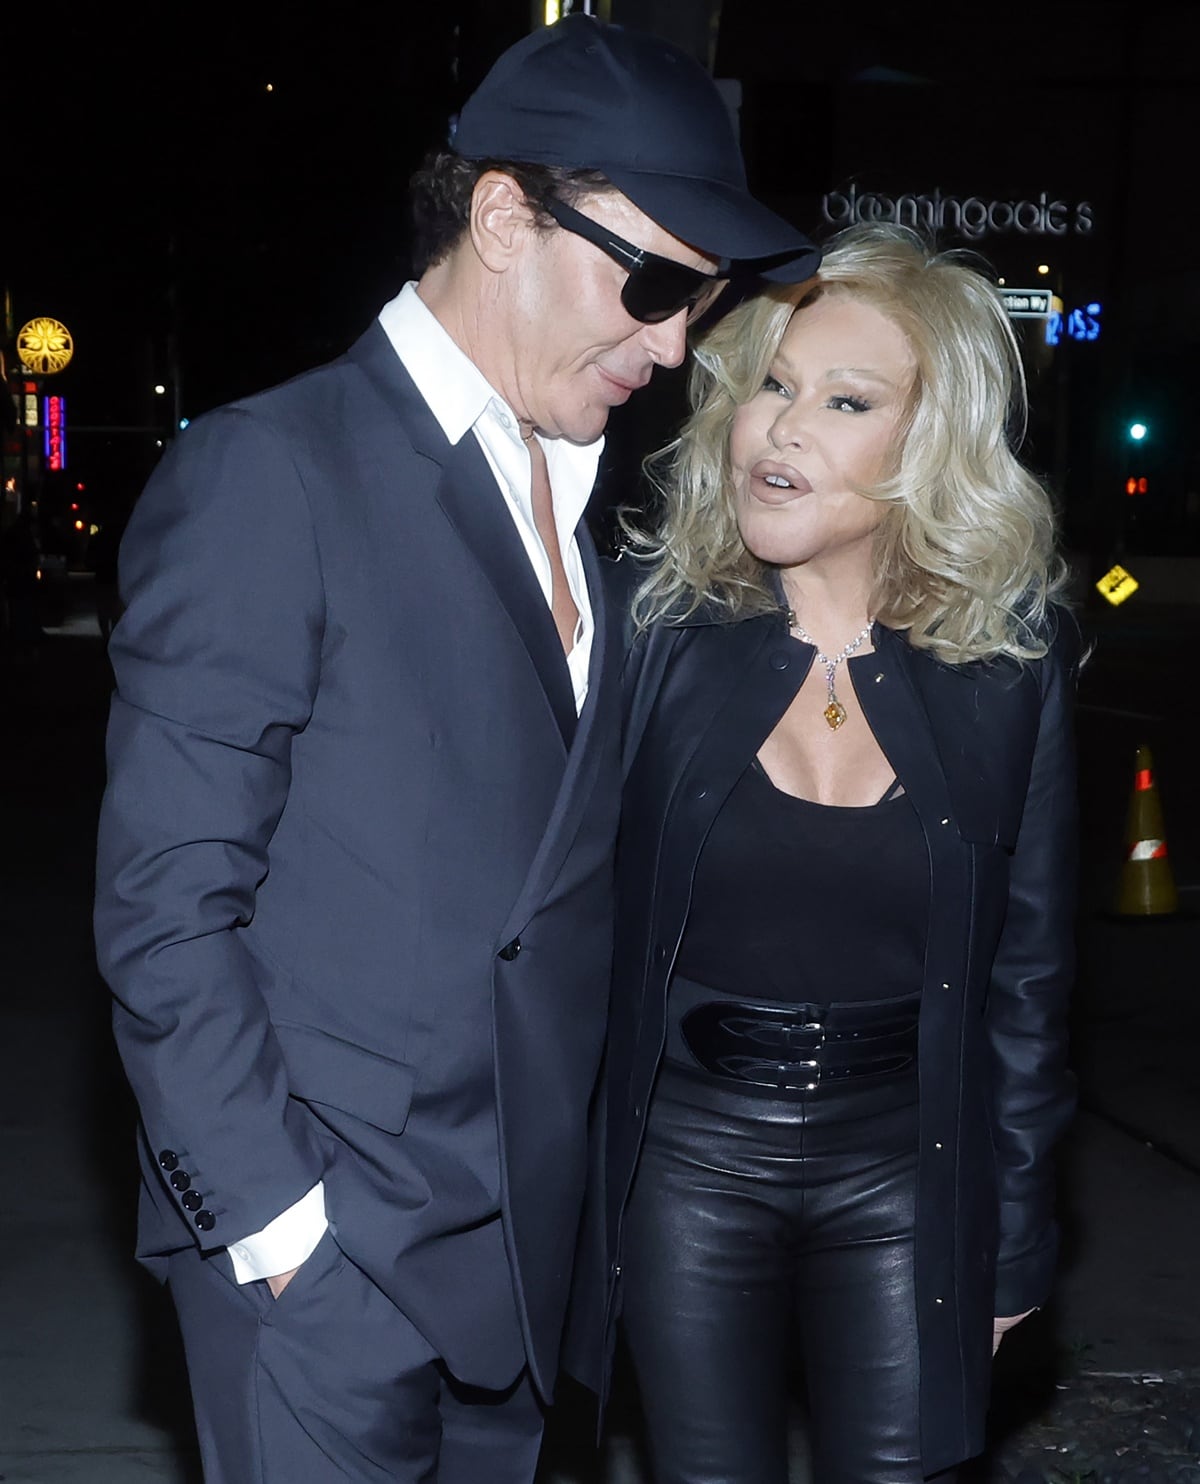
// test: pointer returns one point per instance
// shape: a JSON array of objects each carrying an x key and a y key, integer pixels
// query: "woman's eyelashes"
[{"x": 838, "y": 402}]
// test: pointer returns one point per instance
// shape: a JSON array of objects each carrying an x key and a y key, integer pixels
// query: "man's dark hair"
[{"x": 440, "y": 193}]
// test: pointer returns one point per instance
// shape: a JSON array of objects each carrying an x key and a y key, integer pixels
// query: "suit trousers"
[
  {"x": 765, "y": 1229},
  {"x": 330, "y": 1382}
]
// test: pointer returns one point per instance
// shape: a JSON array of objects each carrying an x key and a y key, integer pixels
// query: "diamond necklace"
[{"x": 835, "y": 712}]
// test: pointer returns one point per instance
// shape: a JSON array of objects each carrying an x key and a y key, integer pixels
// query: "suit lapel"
[
  {"x": 595, "y": 744},
  {"x": 470, "y": 499},
  {"x": 475, "y": 507}
]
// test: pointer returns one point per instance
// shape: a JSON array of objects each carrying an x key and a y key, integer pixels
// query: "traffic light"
[
  {"x": 1138, "y": 432},
  {"x": 1137, "y": 485}
]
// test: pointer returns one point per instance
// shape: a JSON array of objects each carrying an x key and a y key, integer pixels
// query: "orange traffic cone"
[{"x": 1147, "y": 888}]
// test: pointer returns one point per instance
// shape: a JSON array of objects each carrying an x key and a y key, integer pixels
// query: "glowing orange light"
[{"x": 79, "y": 525}]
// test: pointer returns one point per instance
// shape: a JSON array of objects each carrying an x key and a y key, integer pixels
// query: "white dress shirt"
[{"x": 462, "y": 401}]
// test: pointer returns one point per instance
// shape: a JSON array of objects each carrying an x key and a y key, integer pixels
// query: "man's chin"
[{"x": 585, "y": 427}]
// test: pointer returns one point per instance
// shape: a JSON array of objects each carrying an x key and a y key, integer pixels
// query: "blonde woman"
[{"x": 837, "y": 1060}]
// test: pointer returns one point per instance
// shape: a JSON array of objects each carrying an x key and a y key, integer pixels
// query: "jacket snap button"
[
  {"x": 510, "y": 950},
  {"x": 180, "y": 1180},
  {"x": 205, "y": 1220},
  {"x": 168, "y": 1159},
  {"x": 878, "y": 678},
  {"x": 945, "y": 821},
  {"x": 192, "y": 1200},
  {"x": 779, "y": 661}
]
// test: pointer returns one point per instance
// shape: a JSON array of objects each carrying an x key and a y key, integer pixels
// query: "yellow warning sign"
[{"x": 1116, "y": 585}]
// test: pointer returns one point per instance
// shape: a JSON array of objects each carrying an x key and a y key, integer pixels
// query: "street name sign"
[{"x": 1027, "y": 303}]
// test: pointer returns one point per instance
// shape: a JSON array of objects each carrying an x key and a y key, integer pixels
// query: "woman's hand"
[{"x": 1000, "y": 1327}]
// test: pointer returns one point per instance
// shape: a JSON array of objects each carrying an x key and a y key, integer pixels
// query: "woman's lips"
[{"x": 776, "y": 484}]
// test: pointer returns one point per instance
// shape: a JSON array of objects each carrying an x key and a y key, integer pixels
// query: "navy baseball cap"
[{"x": 582, "y": 95}]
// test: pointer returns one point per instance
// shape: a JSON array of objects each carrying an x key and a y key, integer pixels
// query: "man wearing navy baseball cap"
[{"x": 355, "y": 854}]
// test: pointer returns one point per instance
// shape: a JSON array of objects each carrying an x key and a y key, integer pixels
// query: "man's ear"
[{"x": 501, "y": 219}]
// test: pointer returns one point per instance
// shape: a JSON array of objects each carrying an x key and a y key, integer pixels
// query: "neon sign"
[
  {"x": 1080, "y": 324},
  {"x": 969, "y": 216},
  {"x": 56, "y": 432}
]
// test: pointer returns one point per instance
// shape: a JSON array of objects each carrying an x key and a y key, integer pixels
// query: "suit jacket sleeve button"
[
  {"x": 510, "y": 950},
  {"x": 205, "y": 1220},
  {"x": 193, "y": 1200},
  {"x": 180, "y": 1180},
  {"x": 168, "y": 1159}
]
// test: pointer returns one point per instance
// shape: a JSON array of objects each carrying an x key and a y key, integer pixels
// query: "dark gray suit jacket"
[{"x": 355, "y": 858}]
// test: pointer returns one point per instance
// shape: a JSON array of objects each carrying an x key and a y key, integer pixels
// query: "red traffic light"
[{"x": 1137, "y": 485}]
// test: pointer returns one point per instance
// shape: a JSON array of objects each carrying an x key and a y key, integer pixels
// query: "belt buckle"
[
  {"x": 811, "y": 1063},
  {"x": 815, "y": 1068},
  {"x": 804, "y": 1029}
]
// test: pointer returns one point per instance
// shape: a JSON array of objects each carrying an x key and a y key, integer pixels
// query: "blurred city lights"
[
  {"x": 1043, "y": 268},
  {"x": 183, "y": 422},
  {"x": 1137, "y": 431},
  {"x": 160, "y": 390}
]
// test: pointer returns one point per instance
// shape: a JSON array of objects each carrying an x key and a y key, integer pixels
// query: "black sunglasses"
[{"x": 657, "y": 288}]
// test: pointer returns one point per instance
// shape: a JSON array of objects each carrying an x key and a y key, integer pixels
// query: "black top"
[{"x": 808, "y": 903}]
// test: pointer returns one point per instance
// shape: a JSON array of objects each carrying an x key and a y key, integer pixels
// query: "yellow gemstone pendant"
[{"x": 835, "y": 715}]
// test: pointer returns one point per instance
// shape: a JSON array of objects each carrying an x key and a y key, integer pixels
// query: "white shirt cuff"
[{"x": 283, "y": 1244}]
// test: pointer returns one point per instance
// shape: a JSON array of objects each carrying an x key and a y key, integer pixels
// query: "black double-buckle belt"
[{"x": 797, "y": 1048}]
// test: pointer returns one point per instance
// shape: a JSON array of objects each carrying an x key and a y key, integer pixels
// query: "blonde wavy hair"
[{"x": 965, "y": 557}]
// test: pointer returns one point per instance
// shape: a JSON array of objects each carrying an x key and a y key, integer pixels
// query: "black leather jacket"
[{"x": 985, "y": 752}]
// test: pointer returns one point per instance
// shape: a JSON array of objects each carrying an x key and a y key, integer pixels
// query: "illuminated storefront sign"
[
  {"x": 56, "y": 432},
  {"x": 45, "y": 346},
  {"x": 970, "y": 216}
]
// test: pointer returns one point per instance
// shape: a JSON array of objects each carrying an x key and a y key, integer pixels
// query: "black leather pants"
[{"x": 756, "y": 1226}]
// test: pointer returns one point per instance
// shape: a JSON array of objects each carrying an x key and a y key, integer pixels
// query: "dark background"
[{"x": 195, "y": 230}]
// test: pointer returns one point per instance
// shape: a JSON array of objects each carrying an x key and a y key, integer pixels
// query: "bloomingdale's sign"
[{"x": 970, "y": 216}]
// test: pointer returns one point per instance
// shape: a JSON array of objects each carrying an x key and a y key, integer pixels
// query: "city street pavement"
[{"x": 92, "y": 1387}]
